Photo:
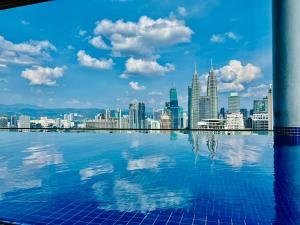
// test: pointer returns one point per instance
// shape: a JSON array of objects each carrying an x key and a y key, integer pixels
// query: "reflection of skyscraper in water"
[{"x": 212, "y": 145}]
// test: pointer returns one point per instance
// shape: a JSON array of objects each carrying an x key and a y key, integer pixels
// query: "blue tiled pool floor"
[{"x": 138, "y": 178}]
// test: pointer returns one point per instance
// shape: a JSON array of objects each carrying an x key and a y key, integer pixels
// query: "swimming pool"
[{"x": 142, "y": 178}]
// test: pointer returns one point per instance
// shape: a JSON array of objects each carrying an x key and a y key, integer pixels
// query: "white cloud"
[
  {"x": 70, "y": 47},
  {"x": 25, "y": 53},
  {"x": 181, "y": 11},
  {"x": 73, "y": 102},
  {"x": 98, "y": 42},
  {"x": 135, "y": 86},
  {"x": 38, "y": 75},
  {"x": 234, "y": 76},
  {"x": 96, "y": 170},
  {"x": 257, "y": 91},
  {"x": 150, "y": 162},
  {"x": 24, "y": 22},
  {"x": 82, "y": 32},
  {"x": 157, "y": 93},
  {"x": 88, "y": 61},
  {"x": 147, "y": 67},
  {"x": 3, "y": 65},
  {"x": 144, "y": 36},
  {"x": 221, "y": 38}
]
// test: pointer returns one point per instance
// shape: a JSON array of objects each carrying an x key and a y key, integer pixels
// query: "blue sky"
[{"x": 108, "y": 53}]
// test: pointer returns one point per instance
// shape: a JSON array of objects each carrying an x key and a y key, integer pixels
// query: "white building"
[
  {"x": 234, "y": 121},
  {"x": 24, "y": 122}
]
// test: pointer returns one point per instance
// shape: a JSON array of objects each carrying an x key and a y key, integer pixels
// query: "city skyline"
[{"x": 72, "y": 69}]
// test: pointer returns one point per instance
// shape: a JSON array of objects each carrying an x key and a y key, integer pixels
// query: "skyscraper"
[
  {"x": 234, "y": 103},
  {"x": 260, "y": 105},
  {"x": 24, "y": 122},
  {"x": 189, "y": 106},
  {"x": 212, "y": 92},
  {"x": 3, "y": 122},
  {"x": 141, "y": 115},
  {"x": 204, "y": 108},
  {"x": 270, "y": 108},
  {"x": 195, "y": 94},
  {"x": 174, "y": 109},
  {"x": 133, "y": 116}
]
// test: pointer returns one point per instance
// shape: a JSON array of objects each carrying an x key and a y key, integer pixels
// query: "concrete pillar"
[{"x": 286, "y": 67}]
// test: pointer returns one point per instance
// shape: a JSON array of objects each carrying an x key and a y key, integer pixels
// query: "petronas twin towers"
[{"x": 202, "y": 107}]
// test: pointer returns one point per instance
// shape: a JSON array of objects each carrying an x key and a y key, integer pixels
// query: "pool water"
[{"x": 142, "y": 178}]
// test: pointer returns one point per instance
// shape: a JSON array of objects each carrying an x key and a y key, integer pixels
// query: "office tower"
[
  {"x": 13, "y": 121},
  {"x": 107, "y": 114},
  {"x": 24, "y": 122},
  {"x": 270, "y": 108},
  {"x": 156, "y": 114},
  {"x": 212, "y": 92},
  {"x": 222, "y": 113},
  {"x": 174, "y": 109},
  {"x": 260, "y": 105},
  {"x": 204, "y": 108},
  {"x": 185, "y": 121},
  {"x": 141, "y": 115},
  {"x": 244, "y": 112},
  {"x": 3, "y": 122},
  {"x": 189, "y": 106},
  {"x": 234, "y": 103},
  {"x": 118, "y": 115},
  {"x": 133, "y": 114},
  {"x": 195, "y": 94},
  {"x": 180, "y": 125}
]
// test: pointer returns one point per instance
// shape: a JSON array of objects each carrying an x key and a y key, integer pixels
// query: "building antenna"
[
  {"x": 195, "y": 67},
  {"x": 211, "y": 64}
]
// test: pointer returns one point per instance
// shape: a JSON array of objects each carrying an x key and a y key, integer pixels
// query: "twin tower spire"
[{"x": 199, "y": 109}]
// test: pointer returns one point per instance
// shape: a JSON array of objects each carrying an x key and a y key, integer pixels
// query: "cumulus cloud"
[
  {"x": 181, "y": 11},
  {"x": 147, "y": 67},
  {"x": 38, "y": 75},
  {"x": 234, "y": 76},
  {"x": 98, "y": 42},
  {"x": 88, "y": 61},
  {"x": 144, "y": 36},
  {"x": 257, "y": 91},
  {"x": 25, "y": 53},
  {"x": 221, "y": 38},
  {"x": 135, "y": 86}
]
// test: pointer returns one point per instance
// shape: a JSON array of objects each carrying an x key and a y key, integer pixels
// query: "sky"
[{"x": 109, "y": 53}]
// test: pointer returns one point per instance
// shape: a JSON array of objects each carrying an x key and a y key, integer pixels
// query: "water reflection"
[{"x": 287, "y": 184}]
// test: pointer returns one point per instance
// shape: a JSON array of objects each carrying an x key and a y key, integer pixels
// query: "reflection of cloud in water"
[
  {"x": 128, "y": 196},
  {"x": 16, "y": 180},
  {"x": 135, "y": 144},
  {"x": 232, "y": 150},
  {"x": 43, "y": 155},
  {"x": 150, "y": 162},
  {"x": 96, "y": 169}
]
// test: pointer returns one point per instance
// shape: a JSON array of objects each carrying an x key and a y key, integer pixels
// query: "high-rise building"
[
  {"x": 189, "y": 106},
  {"x": 270, "y": 108},
  {"x": 13, "y": 121},
  {"x": 204, "y": 108},
  {"x": 180, "y": 125},
  {"x": 165, "y": 121},
  {"x": 260, "y": 105},
  {"x": 132, "y": 117},
  {"x": 118, "y": 114},
  {"x": 156, "y": 114},
  {"x": 195, "y": 94},
  {"x": 3, "y": 122},
  {"x": 141, "y": 115},
  {"x": 24, "y": 122},
  {"x": 212, "y": 92},
  {"x": 222, "y": 113},
  {"x": 174, "y": 109},
  {"x": 234, "y": 103}
]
